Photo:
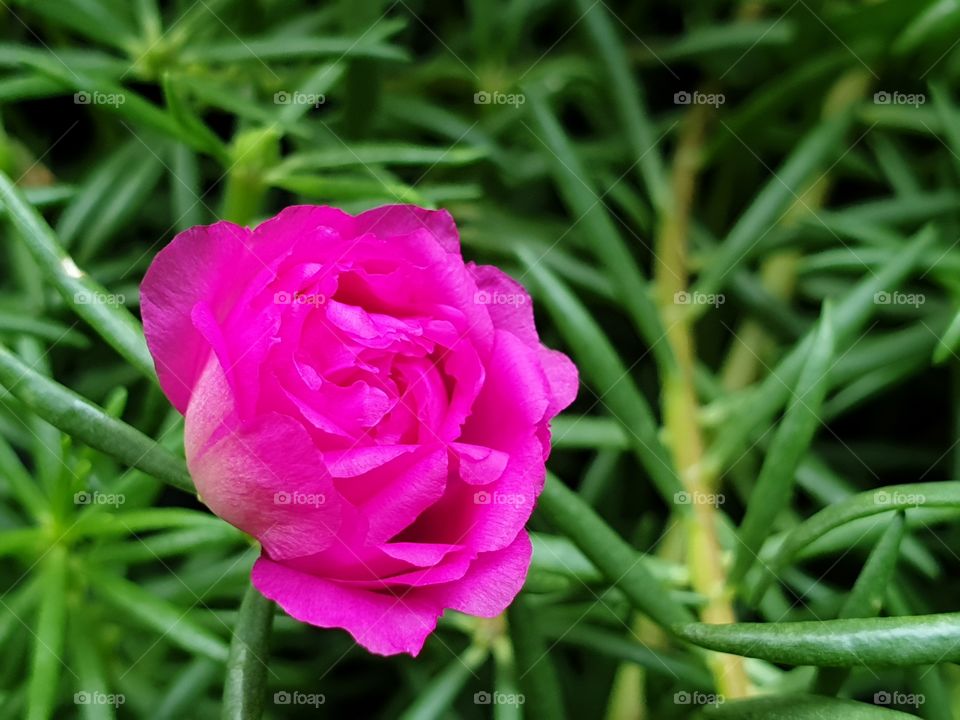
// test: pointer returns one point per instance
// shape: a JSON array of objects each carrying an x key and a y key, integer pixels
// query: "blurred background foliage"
[{"x": 740, "y": 219}]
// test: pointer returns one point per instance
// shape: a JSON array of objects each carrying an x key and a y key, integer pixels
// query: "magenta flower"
[{"x": 371, "y": 409}]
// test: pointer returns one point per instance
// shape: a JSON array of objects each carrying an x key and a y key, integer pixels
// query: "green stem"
[
  {"x": 245, "y": 687},
  {"x": 253, "y": 153},
  {"x": 80, "y": 418}
]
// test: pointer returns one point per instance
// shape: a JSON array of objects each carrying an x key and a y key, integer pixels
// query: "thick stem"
[
  {"x": 253, "y": 152},
  {"x": 245, "y": 688},
  {"x": 681, "y": 407}
]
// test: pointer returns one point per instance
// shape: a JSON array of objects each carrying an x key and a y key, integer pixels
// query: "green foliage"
[{"x": 741, "y": 220}]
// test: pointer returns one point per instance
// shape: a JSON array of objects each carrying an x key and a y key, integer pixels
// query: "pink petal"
[
  {"x": 514, "y": 398},
  {"x": 328, "y": 229},
  {"x": 419, "y": 554},
  {"x": 485, "y": 518},
  {"x": 506, "y": 300},
  {"x": 188, "y": 270},
  {"x": 390, "y": 220},
  {"x": 388, "y": 623},
  {"x": 479, "y": 465},
  {"x": 511, "y": 309},
  {"x": 491, "y": 584},
  {"x": 563, "y": 378},
  {"x": 393, "y": 495},
  {"x": 264, "y": 477},
  {"x": 360, "y": 460},
  {"x": 383, "y": 623}
]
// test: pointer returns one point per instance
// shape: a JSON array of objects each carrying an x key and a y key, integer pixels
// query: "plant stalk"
[{"x": 681, "y": 408}]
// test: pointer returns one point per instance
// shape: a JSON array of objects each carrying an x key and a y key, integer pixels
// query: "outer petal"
[
  {"x": 265, "y": 477},
  {"x": 388, "y": 623},
  {"x": 563, "y": 378},
  {"x": 214, "y": 264},
  {"x": 492, "y": 582},
  {"x": 390, "y": 220},
  {"x": 511, "y": 309},
  {"x": 514, "y": 399},
  {"x": 199, "y": 264},
  {"x": 383, "y": 623},
  {"x": 506, "y": 300},
  {"x": 329, "y": 231}
]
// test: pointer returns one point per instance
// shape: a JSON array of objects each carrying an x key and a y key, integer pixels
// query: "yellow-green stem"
[{"x": 681, "y": 407}]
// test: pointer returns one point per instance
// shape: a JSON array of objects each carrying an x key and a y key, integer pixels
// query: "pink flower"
[{"x": 370, "y": 408}]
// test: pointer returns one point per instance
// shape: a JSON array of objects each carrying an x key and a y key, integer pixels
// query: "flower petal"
[
  {"x": 491, "y": 583},
  {"x": 391, "y": 220},
  {"x": 188, "y": 270},
  {"x": 264, "y": 477},
  {"x": 383, "y": 623}
]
